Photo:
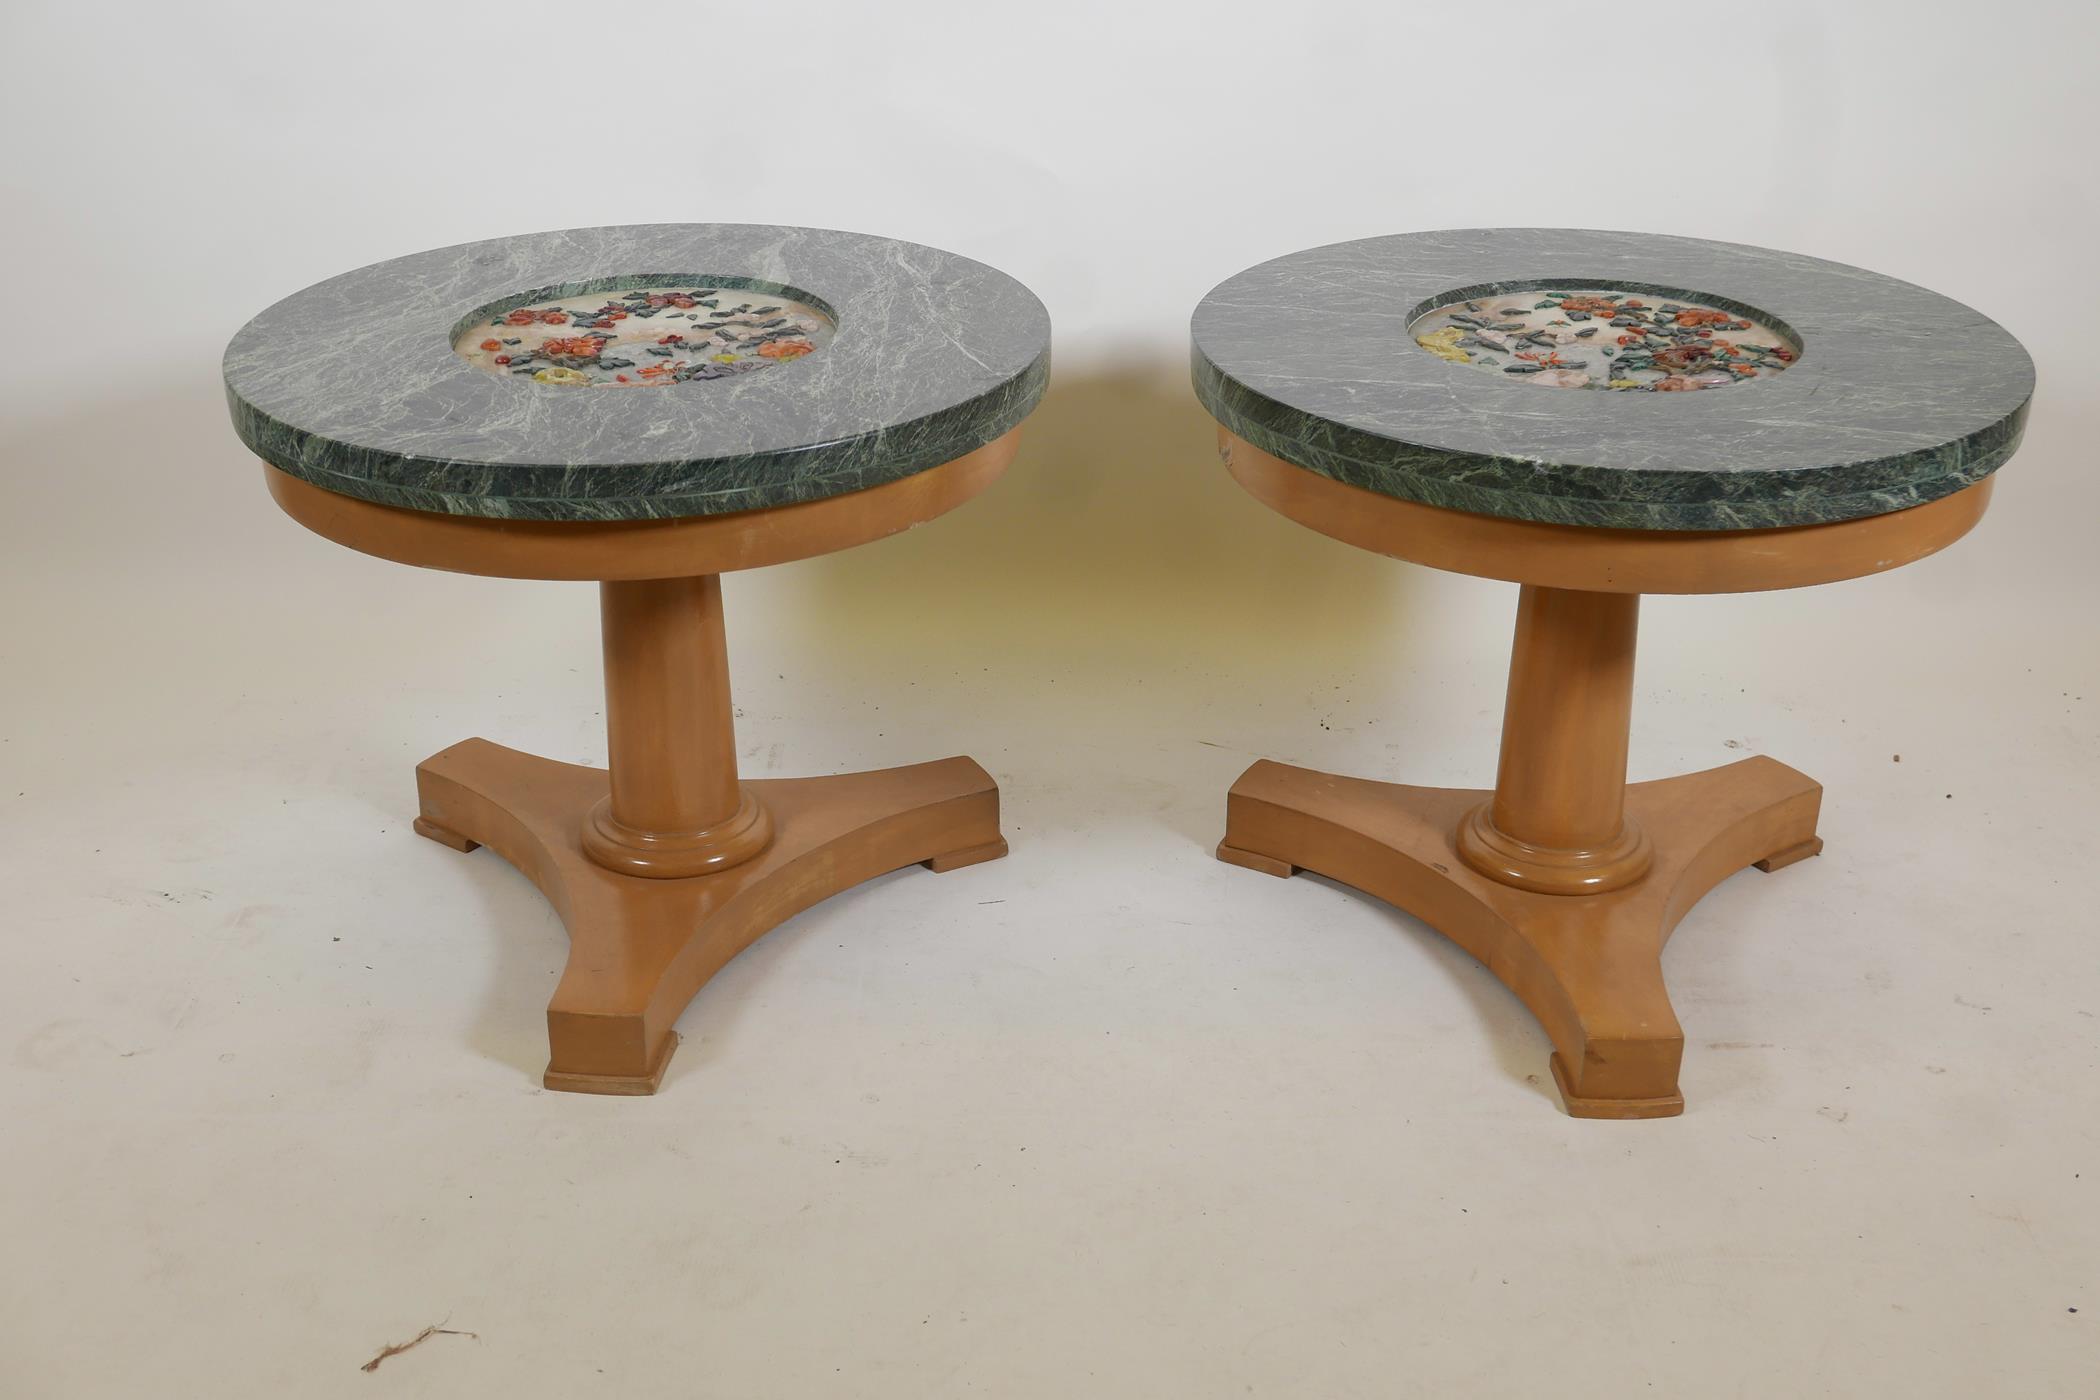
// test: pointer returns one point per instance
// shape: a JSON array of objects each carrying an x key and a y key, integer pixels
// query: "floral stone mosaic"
[
  {"x": 1588, "y": 338},
  {"x": 652, "y": 335}
]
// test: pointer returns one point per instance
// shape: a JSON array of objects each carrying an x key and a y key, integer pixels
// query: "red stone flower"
[
  {"x": 1683, "y": 356},
  {"x": 1596, "y": 306},
  {"x": 554, "y": 318},
  {"x": 492, "y": 344},
  {"x": 1693, "y": 316},
  {"x": 785, "y": 349},
  {"x": 522, "y": 317},
  {"x": 582, "y": 347}
]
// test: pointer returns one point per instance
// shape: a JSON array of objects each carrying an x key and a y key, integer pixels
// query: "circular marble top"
[
  {"x": 1424, "y": 366},
  {"x": 771, "y": 365}
]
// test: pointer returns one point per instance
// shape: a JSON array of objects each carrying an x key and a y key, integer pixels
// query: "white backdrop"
[
  {"x": 194, "y": 163},
  {"x": 268, "y": 1066}
]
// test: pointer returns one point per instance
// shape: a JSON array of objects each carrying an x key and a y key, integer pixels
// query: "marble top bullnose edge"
[
  {"x": 353, "y": 385},
  {"x": 1900, "y": 396}
]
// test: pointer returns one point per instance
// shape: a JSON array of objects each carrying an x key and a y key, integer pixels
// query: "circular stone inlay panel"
[
  {"x": 1594, "y": 338},
  {"x": 671, "y": 334}
]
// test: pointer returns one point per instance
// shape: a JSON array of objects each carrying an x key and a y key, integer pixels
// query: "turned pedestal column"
[
  {"x": 1557, "y": 823},
  {"x": 675, "y": 808}
]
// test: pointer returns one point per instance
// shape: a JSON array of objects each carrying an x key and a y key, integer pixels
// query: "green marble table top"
[
  {"x": 643, "y": 372},
  {"x": 1541, "y": 374}
]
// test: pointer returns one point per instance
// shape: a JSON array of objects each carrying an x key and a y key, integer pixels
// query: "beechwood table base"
[
  {"x": 664, "y": 865},
  {"x": 639, "y": 949},
  {"x": 1564, "y": 879},
  {"x": 1589, "y": 967}
]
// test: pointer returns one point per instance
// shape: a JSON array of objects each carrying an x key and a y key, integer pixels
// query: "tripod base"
[
  {"x": 640, "y": 948},
  {"x": 1589, "y": 966}
]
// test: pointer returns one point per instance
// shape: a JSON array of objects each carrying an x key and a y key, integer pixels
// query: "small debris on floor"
[{"x": 396, "y": 1348}]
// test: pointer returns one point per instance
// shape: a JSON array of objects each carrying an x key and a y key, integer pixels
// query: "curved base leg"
[
  {"x": 1588, "y": 966},
  {"x": 639, "y": 949}
]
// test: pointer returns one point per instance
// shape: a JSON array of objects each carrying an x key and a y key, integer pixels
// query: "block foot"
[
  {"x": 1780, "y": 860},
  {"x": 1254, "y": 860},
  {"x": 975, "y": 855},
  {"x": 444, "y": 836}
]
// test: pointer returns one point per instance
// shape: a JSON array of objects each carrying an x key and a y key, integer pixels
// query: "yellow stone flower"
[
  {"x": 555, "y": 374},
  {"x": 1444, "y": 345},
  {"x": 1622, "y": 383},
  {"x": 727, "y": 359}
]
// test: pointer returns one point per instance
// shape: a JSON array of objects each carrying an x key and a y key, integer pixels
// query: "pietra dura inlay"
[
  {"x": 1598, "y": 338},
  {"x": 1895, "y": 396},
  {"x": 686, "y": 331},
  {"x": 915, "y": 357}
]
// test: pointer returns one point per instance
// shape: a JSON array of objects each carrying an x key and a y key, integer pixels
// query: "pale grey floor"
[{"x": 1104, "y": 1119}]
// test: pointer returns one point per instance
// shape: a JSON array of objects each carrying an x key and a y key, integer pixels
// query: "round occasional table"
[
  {"x": 650, "y": 407},
  {"x": 1593, "y": 416}
]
